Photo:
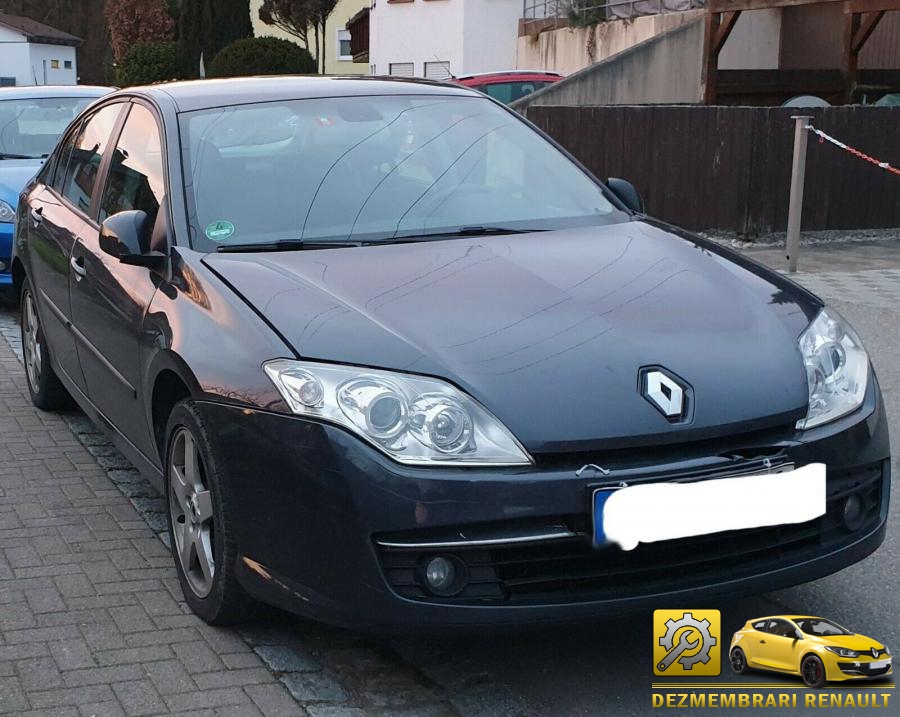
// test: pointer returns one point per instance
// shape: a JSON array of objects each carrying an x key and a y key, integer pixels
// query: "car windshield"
[
  {"x": 29, "y": 128},
  {"x": 376, "y": 168},
  {"x": 509, "y": 92},
  {"x": 816, "y": 626}
]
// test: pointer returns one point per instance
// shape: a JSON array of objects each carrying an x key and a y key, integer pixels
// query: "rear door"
[
  {"x": 110, "y": 299},
  {"x": 56, "y": 215}
]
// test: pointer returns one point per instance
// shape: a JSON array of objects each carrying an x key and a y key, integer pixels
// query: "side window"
[
  {"x": 55, "y": 178},
  {"x": 135, "y": 179},
  {"x": 761, "y": 625},
  {"x": 780, "y": 627},
  {"x": 86, "y": 155}
]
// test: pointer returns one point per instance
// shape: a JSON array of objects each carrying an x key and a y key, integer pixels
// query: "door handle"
[
  {"x": 77, "y": 265},
  {"x": 37, "y": 215},
  {"x": 762, "y": 642}
]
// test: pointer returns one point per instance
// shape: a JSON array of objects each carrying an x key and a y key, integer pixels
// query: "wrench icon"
[{"x": 683, "y": 645}]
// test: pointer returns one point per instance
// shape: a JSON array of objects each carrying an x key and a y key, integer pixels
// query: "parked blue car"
[{"x": 31, "y": 121}]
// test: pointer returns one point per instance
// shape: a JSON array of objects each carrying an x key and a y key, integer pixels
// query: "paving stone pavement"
[{"x": 91, "y": 616}]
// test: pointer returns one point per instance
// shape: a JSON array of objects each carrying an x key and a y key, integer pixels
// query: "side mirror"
[
  {"x": 126, "y": 236},
  {"x": 626, "y": 193},
  {"x": 798, "y": 635}
]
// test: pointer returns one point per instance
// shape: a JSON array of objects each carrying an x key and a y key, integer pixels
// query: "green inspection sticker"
[{"x": 220, "y": 230}]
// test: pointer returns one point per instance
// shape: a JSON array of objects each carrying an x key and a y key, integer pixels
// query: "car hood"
[
  {"x": 549, "y": 330},
  {"x": 14, "y": 175}
]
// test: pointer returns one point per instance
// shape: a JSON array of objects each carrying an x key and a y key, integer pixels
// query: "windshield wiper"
[
  {"x": 474, "y": 231},
  {"x": 285, "y": 245},
  {"x": 12, "y": 155}
]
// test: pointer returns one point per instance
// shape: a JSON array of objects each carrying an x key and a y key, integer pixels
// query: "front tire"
[
  {"x": 200, "y": 517},
  {"x": 739, "y": 662},
  {"x": 44, "y": 386},
  {"x": 813, "y": 672}
]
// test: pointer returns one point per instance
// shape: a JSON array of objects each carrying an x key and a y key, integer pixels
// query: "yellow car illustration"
[{"x": 817, "y": 649}]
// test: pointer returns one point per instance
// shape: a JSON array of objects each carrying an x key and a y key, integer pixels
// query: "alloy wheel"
[
  {"x": 812, "y": 671},
  {"x": 737, "y": 661},
  {"x": 191, "y": 513},
  {"x": 31, "y": 343}
]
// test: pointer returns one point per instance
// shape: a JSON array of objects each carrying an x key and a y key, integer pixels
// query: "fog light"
[
  {"x": 854, "y": 512},
  {"x": 444, "y": 576}
]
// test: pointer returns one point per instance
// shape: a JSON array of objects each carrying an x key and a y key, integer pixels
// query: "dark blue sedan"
[
  {"x": 397, "y": 361},
  {"x": 31, "y": 121}
]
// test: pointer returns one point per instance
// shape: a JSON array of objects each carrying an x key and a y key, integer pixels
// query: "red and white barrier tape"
[{"x": 852, "y": 150}]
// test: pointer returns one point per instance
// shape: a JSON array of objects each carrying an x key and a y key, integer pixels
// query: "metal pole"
[{"x": 795, "y": 207}]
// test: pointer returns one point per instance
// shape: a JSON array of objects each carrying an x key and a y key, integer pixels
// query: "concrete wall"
[
  {"x": 416, "y": 32},
  {"x": 662, "y": 70},
  {"x": 44, "y": 56},
  {"x": 754, "y": 43},
  {"x": 470, "y": 35},
  {"x": 343, "y": 11},
  {"x": 490, "y": 30},
  {"x": 25, "y": 61},
  {"x": 569, "y": 49}
]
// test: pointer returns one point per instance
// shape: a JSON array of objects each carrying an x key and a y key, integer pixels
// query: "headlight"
[
  {"x": 837, "y": 369},
  {"x": 887, "y": 650},
  {"x": 843, "y": 651},
  {"x": 7, "y": 213},
  {"x": 414, "y": 419}
]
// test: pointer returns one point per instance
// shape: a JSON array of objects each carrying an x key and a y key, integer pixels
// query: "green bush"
[
  {"x": 147, "y": 62},
  {"x": 262, "y": 56}
]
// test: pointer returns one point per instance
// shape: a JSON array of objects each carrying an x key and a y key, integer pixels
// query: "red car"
[{"x": 510, "y": 85}]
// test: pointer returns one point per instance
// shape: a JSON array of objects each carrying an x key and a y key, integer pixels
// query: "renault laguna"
[{"x": 398, "y": 361}]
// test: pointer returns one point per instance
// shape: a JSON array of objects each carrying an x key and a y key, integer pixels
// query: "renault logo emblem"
[
  {"x": 665, "y": 392},
  {"x": 874, "y": 652}
]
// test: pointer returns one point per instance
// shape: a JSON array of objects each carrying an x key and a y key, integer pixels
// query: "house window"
[
  {"x": 439, "y": 70},
  {"x": 343, "y": 43},
  {"x": 67, "y": 64},
  {"x": 54, "y": 64},
  {"x": 401, "y": 69}
]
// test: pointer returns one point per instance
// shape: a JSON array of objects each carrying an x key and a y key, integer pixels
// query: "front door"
[
  {"x": 110, "y": 299},
  {"x": 778, "y": 647},
  {"x": 56, "y": 216}
]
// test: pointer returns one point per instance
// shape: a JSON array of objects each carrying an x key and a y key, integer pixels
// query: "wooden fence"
[{"x": 729, "y": 167}]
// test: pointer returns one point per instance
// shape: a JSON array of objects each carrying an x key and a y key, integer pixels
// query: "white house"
[
  {"x": 440, "y": 38},
  {"x": 32, "y": 53}
]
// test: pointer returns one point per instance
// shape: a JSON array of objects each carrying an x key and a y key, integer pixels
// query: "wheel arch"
[
  {"x": 812, "y": 652},
  {"x": 172, "y": 381},
  {"x": 18, "y": 277}
]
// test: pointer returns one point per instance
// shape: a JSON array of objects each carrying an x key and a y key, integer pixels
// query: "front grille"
[
  {"x": 572, "y": 570},
  {"x": 863, "y": 668}
]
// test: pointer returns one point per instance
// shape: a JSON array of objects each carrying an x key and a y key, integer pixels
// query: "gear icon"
[{"x": 701, "y": 626}]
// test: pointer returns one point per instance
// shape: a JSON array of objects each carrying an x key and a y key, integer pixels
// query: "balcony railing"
[{"x": 588, "y": 12}]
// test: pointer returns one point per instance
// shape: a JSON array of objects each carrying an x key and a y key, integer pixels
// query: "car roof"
[
  {"x": 508, "y": 73},
  {"x": 41, "y": 91},
  {"x": 788, "y": 617},
  {"x": 200, "y": 94}
]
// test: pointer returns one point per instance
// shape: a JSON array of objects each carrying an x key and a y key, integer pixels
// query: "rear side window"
[
  {"x": 761, "y": 625},
  {"x": 84, "y": 159},
  {"x": 135, "y": 179}
]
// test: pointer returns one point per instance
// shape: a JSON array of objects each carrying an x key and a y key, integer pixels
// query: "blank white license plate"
[
  {"x": 651, "y": 512},
  {"x": 878, "y": 665}
]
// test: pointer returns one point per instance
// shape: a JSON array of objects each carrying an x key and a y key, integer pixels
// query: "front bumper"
[
  {"x": 839, "y": 669},
  {"x": 330, "y": 528}
]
